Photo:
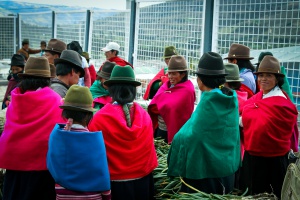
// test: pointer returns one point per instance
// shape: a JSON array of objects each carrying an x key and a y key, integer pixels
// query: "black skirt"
[
  {"x": 263, "y": 174},
  {"x": 28, "y": 185},
  {"x": 139, "y": 189}
]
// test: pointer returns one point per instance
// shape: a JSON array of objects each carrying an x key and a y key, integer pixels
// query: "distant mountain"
[{"x": 15, "y": 7}]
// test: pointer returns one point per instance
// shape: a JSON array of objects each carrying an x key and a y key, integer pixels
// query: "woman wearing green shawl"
[
  {"x": 206, "y": 150},
  {"x": 99, "y": 91}
]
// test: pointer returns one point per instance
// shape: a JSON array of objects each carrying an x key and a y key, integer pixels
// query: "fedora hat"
[
  {"x": 239, "y": 51},
  {"x": 122, "y": 75},
  {"x": 269, "y": 64},
  {"x": 211, "y": 64},
  {"x": 37, "y": 67},
  {"x": 86, "y": 55},
  {"x": 262, "y": 55},
  {"x": 106, "y": 70},
  {"x": 17, "y": 60},
  {"x": 177, "y": 63},
  {"x": 169, "y": 52},
  {"x": 78, "y": 98},
  {"x": 73, "y": 58},
  {"x": 233, "y": 73},
  {"x": 56, "y": 45}
]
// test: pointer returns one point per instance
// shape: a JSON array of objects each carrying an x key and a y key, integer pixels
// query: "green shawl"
[
  {"x": 286, "y": 85},
  {"x": 208, "y": 145},
  {"x": 98, "y": 90}
]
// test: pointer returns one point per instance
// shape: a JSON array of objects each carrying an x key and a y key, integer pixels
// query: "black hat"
[
  {"x": 211, "y": 64},
  {"x": 75, "y": 46},
  {"x": 17, "y": 60},
  {"x": 25, "y": 41},
  {"x": 73, "y": 58}
]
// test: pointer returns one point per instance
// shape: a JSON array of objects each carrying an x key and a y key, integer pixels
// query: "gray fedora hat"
[
  {"x": 73, "y": 58},
  {"x": 233, "y": 73}
]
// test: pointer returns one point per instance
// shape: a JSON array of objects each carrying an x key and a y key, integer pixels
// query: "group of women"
[{"x": 110, "y": 153}]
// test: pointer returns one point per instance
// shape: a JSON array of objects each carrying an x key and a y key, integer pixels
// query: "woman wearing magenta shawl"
[
  {"x": 30, "y": 117},
  {"x": 206, "y": 150},
  {"x": 269, "y": 137},
  {"x": 128, "y": 138},
  {"x": 173, "y": 103}
]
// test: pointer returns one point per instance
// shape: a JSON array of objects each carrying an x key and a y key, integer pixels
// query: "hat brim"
[
  {"x": 21, "y": 75},
  {"x": 239, "y": 58},
  {"x": 77, "y": 108},
  {"x": 105, "y": 49},
  {"x": 110, "y": 82},
  {"x": 238, "y": 80},
  {"x": 181, "y": 70},
  {"x": 210, "y": 75},
  {"x": 280, "y": 74},
  {"x": 61, "y": 60}
]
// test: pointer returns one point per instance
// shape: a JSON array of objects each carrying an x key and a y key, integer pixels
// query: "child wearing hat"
[
  {"x": 211, "y": 137},
  {"x": 98, "y": 89},
  {"x": 30, "y": 117},
  {"x": 85, "y": 173},
  {"x": 16, "y": 66},
  {"x": 128, "y": 136}
]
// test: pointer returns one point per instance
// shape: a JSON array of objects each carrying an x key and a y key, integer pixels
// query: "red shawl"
[
  {"x": 242, "y": 97},
  {"x": 119, "y": 61},
  {"x": 268, "y": 125},
  {"x": 175, "y": 105},
  {"x": 30, "y": 118},
  {"x": 245, "y": 88},
  {"x": 157, "y": 77},
  {"x": 130, "y": 150}
]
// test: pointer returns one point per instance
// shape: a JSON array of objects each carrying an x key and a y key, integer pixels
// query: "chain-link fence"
[{"x": 7, "y": 37}]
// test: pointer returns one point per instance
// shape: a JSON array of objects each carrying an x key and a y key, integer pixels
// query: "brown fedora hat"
[
  {"x": 177, "y": 63},
  {"x": 56, "y": 45},
  {"x": 239, "y": 51},
  {"x": 37, "y": 67},
  {"x": 106, "y": 70},
  {"x": 269, "y": 64}
]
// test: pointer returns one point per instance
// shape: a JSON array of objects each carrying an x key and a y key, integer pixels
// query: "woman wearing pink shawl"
[
  {"x": 173, "y": 103},
  {"x": 30, "y": 118}
]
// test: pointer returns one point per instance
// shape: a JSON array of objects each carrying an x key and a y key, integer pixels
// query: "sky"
[{"x": 106, "y": 4}]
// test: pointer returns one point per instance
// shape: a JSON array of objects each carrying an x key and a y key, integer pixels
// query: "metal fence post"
[
  {"x": 87, "y": 30},
  {"x": 208, "y": 25},
  {"x": 132, "y": 31},
  {"x": 53, "y": 25}
]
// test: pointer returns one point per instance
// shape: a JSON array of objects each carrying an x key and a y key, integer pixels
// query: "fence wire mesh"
[{"x": 7, "y": 37}]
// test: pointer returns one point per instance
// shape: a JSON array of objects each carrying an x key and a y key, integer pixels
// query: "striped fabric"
[{"x": 65, "y": 194}]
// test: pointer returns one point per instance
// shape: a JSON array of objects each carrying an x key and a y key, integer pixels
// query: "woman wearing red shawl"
[
  {"x": 269, "y": 119},
  {"x": 30, "y": 117},
  {"x": 128, "y": 137},
  {"x": 173, "y": 103}
]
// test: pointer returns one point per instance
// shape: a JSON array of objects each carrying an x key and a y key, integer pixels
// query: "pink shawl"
[
  {"x": 175, "y": 105},
  {"x": 30, "y": 118}
]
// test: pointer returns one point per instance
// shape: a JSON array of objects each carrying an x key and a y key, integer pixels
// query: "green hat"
[
  {"x": 25, "y": 41},
  {"x": 86, "y": 55},
  {"x": 269, "y": 64},
  {"x": 233, "y": 73},
  {"x": 78, "y": 98},
  {"x": 169, "y": 51},
  {"x": 262, "y": 55},
  {"x": 122, "y": 75}
]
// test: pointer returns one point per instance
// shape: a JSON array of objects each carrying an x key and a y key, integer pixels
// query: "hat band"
[
  {"x": 210, "y": 71},
  {"x": 232, "y": 77},
  {"x": 37, "y": 72},
  {"x": 53, "y": 49},
  {"x": 77, "y": 105},
  {"x": 103, "y": 73},
  {"x": 122, "y": 79}
]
